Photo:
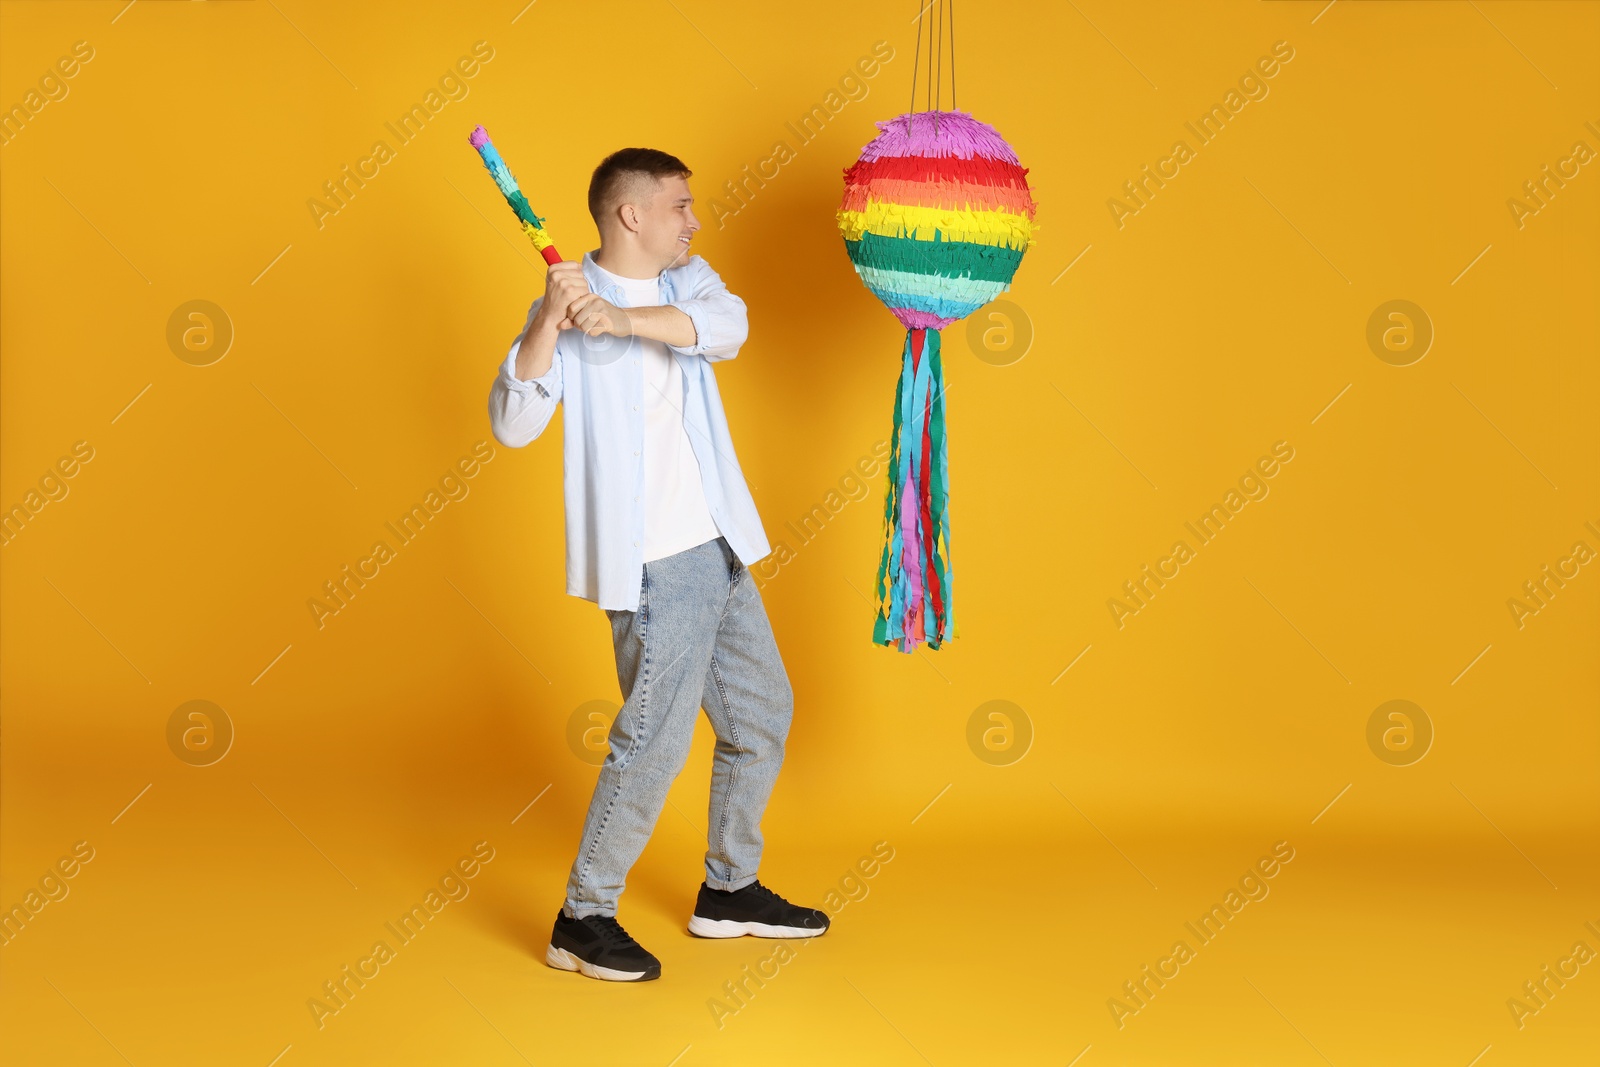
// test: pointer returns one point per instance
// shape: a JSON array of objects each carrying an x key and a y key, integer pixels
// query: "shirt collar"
[{"x": 600, "y": 285}]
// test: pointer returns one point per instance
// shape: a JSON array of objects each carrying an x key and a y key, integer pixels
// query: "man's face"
[{"x": 667, "y": 222}]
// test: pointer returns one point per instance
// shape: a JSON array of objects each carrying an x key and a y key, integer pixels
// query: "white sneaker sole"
[
  {"x": 702, "y": 927},
  {"x": 561, "y": 959}
]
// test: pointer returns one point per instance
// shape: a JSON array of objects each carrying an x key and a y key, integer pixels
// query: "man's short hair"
[{"x": 616, "y": 178}]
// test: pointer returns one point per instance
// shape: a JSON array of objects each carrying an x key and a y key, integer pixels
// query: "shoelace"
[
  {"x": 761, "y": 890},
  {"x": 613, "y": 932},
  {"x": 768, "y": 894}
]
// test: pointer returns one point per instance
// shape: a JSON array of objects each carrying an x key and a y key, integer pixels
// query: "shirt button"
[
  {"x": 636, "y": 407},
  {"x": 636, "y": 451},
  {"x": 636, "y": 544}
]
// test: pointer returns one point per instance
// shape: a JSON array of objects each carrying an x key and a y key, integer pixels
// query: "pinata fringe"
[
  {"x": 913, "y": 587},
  {"x": 1007, "y": 229},
  {"x": 541, "y": 239}
]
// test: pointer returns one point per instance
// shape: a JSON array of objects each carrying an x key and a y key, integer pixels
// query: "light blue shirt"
[{"x": 600, "y": 381}]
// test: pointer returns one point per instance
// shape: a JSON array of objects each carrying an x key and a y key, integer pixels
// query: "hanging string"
[
  {"x": 933, "y": 95},
  {"x": 938, "y": 87},
  {"x": 911, "y": 113},
  {"x": 952, "y": 55}
]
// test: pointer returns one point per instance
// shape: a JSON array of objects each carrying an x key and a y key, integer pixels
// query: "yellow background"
[{"x": 1225, "y": 716}]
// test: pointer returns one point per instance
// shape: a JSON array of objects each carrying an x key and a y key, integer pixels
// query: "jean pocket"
[
  {"x": 644, "y": 601},
  {"x": 735, "y": 568}
]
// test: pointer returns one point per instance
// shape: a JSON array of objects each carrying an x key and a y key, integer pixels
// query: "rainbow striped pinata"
[{"x": 935, "y": 218}]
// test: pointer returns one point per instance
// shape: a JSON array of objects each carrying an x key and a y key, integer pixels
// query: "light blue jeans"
[{"x": 700, "y": 638}]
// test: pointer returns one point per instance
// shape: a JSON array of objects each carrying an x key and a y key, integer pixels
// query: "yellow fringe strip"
[
  {"x": 954, "y": 224},
  {"x": 541, "y": 240}
]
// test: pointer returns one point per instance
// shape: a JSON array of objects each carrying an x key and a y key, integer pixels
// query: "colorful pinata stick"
[{"x": 532, "y": 225}]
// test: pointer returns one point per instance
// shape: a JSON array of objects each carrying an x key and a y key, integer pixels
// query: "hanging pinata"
[{"x": 936, "y": 216}]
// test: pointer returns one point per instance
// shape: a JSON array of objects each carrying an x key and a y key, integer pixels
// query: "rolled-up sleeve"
[
  {"x": 519, "y": 410},
  {"x": 721, "y": 323}
]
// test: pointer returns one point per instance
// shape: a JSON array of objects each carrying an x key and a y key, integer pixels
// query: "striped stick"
[{"x": 532, "y": 225}]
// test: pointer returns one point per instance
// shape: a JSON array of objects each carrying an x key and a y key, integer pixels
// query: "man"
[{"x": 660, "y": 528}]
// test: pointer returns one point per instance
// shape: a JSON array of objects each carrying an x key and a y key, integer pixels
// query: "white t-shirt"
[{"x": 675, "y": 513}]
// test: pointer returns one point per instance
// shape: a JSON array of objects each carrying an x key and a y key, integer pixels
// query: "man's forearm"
[
  {"x": 665, "y": 323},
  {"x": 537, "y": 350}
]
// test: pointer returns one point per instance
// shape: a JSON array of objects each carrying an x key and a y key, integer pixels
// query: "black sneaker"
[
  {"x": 599, "y": 947},
  {"x": 756, "y": 910}
]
